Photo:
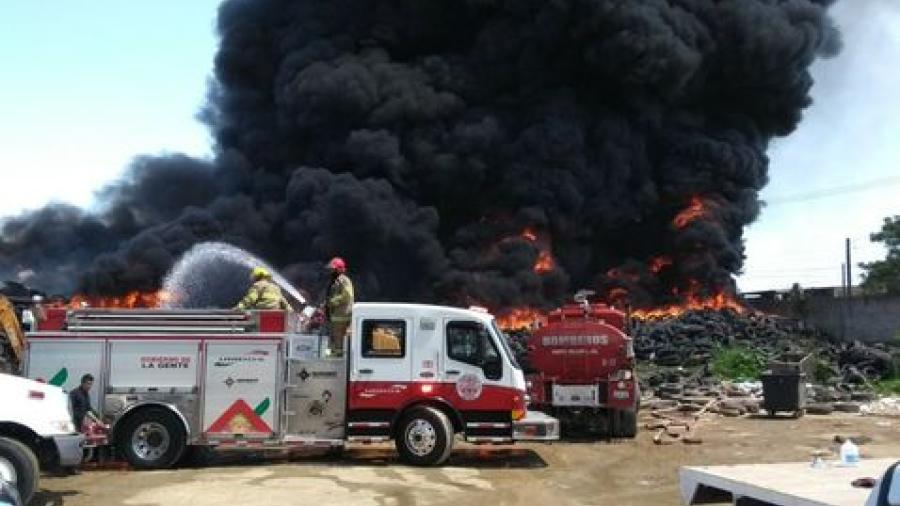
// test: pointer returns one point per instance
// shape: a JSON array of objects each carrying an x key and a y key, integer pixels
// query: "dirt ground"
[{"x": 565, "y": 473}]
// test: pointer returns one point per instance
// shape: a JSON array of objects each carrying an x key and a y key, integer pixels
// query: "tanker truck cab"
[{"x": 419, "y": 374}]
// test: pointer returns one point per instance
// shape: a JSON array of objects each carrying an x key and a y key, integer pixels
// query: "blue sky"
[{"x": 87, "y": 85}]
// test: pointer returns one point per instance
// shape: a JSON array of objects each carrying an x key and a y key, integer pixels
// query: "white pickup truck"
[{"x": 35, "y": 427}]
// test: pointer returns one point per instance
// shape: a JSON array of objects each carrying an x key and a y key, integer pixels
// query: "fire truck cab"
[{"x": 170, "y": 379}]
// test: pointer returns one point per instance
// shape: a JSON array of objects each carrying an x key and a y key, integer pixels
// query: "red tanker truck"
[{"x": 583, "y": 370}]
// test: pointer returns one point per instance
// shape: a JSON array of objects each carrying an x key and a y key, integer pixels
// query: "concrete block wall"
[{"x": 867, "y": 319}]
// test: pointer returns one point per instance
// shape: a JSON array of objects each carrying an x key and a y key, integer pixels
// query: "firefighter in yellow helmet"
[
  {"x": 338, "y": 305},
  {"x": 263, "y": 293}
]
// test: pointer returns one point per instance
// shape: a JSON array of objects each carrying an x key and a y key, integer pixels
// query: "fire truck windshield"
[{"x": 504, "y": 341}]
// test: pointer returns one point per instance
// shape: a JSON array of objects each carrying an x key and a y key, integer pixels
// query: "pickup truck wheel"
[
  {"x": 19, "y": 465},
  {"x": 425, "y": 437},
  {"x": 153, "y": 438}
]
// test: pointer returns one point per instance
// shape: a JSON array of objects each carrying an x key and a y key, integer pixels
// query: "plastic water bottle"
[{"x": 849, "y": 453}]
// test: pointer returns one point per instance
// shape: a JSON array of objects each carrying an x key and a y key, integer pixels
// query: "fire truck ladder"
[{"x": 192, "y": 321}]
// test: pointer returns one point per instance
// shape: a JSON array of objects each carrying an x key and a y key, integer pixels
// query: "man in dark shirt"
[{"x": 81, "y": 401}]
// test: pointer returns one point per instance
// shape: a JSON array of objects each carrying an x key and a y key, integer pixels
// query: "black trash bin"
[
  {"x": 784, "y": 385},
  {"x": 784, "y": 392}
]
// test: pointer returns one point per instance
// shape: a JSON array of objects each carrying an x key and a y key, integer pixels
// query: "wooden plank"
[{"x": 785, "y": 484}]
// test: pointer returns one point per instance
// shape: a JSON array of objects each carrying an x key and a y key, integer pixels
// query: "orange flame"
[
  {"x": 720, "y": 301},
  {"x": 520, "y": 318},
  {"x": 132, "y": 300},
  {"x": 545, "y": 262},
  {"x": 694, "y": 211}
]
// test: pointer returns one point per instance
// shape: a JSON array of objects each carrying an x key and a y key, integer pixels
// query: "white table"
[{"x": 786, "y": 484}]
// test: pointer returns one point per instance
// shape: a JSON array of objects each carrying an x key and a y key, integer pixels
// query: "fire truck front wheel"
[
  {"x": 424, "y": 437},
  {"x": 152, "y": 438}
]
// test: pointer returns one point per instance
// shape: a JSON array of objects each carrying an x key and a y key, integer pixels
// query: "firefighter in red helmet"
[{"x": 338, "y": 305}]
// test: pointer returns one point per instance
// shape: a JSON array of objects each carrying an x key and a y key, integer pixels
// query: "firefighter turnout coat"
[
  {"x": 263, "y": 294},
  {"x": 340, "y": 300}
]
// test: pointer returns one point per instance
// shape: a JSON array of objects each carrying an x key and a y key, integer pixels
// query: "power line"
[
  {"x": 837, "y": 190},
  {"x": 791, "y": 269}
]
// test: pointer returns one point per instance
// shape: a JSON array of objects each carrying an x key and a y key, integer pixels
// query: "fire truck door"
[
  {"x": 380, "y": 367},
  {"x": 473, "y": 364},
  {"x": 470, "y": 350}
]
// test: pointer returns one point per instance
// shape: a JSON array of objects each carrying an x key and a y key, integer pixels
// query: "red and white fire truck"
[
  {"x": 169, "y": 379},
  {"x": 584, "y": 374}
]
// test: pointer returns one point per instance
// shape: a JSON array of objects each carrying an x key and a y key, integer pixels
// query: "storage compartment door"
[
  {"x": 576, "y": 395},
  {"x": 316, "y": 398},
  {"x": 63, "y": 363},
  {"x": 241, "y": 389},
  {"x": 153, "y": 366}
]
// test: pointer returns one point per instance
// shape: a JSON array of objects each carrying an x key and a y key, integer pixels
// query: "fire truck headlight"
[{"x": 518, "y": 414}]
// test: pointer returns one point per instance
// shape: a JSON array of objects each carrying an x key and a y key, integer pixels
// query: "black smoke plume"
[{"x": 422, "y": 139}]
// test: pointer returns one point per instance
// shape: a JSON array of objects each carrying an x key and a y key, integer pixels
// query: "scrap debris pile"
[
  {"x": 676, "y": 348},
  {"x": 677, "y": 357}
]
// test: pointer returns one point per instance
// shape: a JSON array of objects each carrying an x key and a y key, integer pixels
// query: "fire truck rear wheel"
[
  {"x": 424, "y": 437},
  {"x": 153, "y": 438},
  {"x": 19, "y": 466}
]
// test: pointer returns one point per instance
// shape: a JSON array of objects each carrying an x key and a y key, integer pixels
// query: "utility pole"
[
  {"x": 842, "y": 308},
  {"x": 849, "y": 272}
]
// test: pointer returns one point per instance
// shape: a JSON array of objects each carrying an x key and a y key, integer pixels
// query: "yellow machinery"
[{"x": 12, "y": 339}]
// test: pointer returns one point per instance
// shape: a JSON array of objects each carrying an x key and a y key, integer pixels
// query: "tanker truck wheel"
[
  {"x": 153, "y": 438},
  {"x": 424, "y": 437},
  {"x": 627, "y": 424},
  {"x": 622, "y": 423},
  {"x": 19, "y": 466}
]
